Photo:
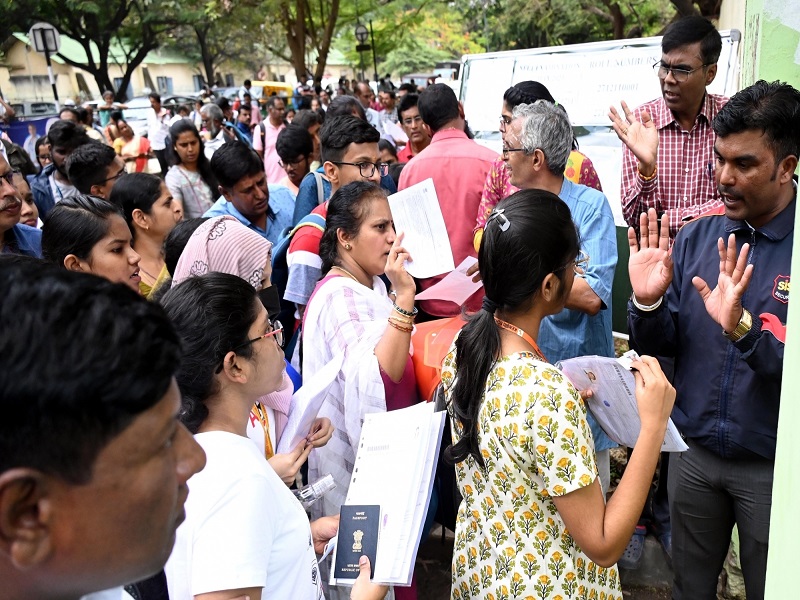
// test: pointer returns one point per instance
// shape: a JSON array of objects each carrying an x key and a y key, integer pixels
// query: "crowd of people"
[{"x": 262, "y": 256}]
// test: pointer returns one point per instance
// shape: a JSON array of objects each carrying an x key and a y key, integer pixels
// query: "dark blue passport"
[{"x": 358, "y": 535}]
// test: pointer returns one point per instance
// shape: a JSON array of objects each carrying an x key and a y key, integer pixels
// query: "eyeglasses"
[
  {"x": 9, "y": 177},
  {"x": 579, "y": 265},
  {"x": 276, "y": 329},
  {"x": 411, "y": 120},
  {"x": 507, "y": 151},
  {"x": 504, "y": 122},
  {"x": 119, "y": 174},
  {"x": 680, "y": 75},
  {"x": 367, "y": 169},
  {"x": 293, "y": 163},
  {"x": 45, "y": 157}
]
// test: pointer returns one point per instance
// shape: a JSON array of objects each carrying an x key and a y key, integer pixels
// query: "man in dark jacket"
[
  {"x": 721, "y": 314},
  {"x": 52, "y": 184}
]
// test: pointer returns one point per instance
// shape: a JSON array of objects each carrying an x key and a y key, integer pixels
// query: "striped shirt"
[{"x": 684, "y": 186}]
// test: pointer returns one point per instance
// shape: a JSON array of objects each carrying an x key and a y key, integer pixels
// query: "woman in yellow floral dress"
[{"x": 533, "y": 522}]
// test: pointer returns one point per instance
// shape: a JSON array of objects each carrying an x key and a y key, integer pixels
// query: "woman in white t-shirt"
[{"x": 245, "y": 533}]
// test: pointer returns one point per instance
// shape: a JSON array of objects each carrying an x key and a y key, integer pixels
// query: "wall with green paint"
[{"x": 771, "y": 51}]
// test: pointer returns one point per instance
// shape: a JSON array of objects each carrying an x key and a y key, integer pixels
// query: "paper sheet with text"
[
  {"x": 394, "y": 468},
  {"x": 613, "y": 402},
  {"x": 416, "y": 212}
]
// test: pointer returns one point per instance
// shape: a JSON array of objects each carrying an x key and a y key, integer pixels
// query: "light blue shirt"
[
  {"x": 280, "y": 201},
  {"x": 572, "y": 333}
]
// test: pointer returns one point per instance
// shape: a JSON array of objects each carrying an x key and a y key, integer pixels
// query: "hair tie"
[{"x": 489, "y": 306}]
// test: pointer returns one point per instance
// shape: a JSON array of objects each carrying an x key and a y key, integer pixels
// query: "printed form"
[
  {"x": 416, "y": 212},
  {"x": 613, "y": 402},
  {"x": 394, "y": 468}
]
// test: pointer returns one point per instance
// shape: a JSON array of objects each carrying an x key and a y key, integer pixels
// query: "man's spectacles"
[
  {"x": 119, "y": 174},
  {"x": 293, "y": 163},
  {"x": 9, "y": 177},
  {"x": 367, "y": 169},
  {"x": 411, "y": 120},
  {"x": 507, "y": 151},
  {"x": 579, "y": 265},
  {"x": 680, "y": 75}
]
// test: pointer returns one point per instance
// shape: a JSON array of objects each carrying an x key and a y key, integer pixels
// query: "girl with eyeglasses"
[
  {"x": 245, "y": 533},
  {"x": 533, "y": 516},
  {"x": 151, "y": 214},
  {"x": 224, "y": 245}
]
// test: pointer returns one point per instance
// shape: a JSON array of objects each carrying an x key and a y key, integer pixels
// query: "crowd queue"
[{"x": 154, "y": 326}]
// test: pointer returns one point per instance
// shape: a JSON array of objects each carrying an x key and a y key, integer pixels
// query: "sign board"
[
  {"x": 586, "y": 79},
  {"x": 45, "y": 38}
]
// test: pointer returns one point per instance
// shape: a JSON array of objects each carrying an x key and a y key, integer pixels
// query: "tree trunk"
[
  {"x": 205, "y": 54},
  {"x": 325, "y": 47}
]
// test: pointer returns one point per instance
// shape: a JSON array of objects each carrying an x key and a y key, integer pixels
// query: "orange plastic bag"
[{"x": 431, "y": 341}]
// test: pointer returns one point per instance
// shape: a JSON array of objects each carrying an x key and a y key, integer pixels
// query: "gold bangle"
[
  {"x": 742, "y": 327},
  {"x": 645, "y": 177},
  {"x": 400, "y": 328},
  {"x": 404, "y": 320}
]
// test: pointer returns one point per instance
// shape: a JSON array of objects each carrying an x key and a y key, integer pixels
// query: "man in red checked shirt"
[{"x": 667, "y": 153}]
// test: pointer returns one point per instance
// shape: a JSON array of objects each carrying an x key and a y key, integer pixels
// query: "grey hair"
[
  {"x": 545, "y": 126},
  {"x": 212, "y": 111}
]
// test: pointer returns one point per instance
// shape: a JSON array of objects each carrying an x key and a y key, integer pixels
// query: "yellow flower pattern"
[{"x": 536, "y": 444}]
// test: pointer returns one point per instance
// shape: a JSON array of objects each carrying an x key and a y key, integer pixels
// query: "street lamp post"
[{"x": 361, "y": 37}]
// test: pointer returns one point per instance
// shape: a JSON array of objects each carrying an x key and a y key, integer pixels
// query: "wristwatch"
[{"x": 742, "y": 327}]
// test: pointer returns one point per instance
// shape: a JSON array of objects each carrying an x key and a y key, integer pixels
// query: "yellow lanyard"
[{"x": 261, "y": 413}]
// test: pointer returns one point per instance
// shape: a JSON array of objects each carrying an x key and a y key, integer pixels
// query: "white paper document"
[
  {"x": 395, "y": 467},
  {"x": 613, "y": 402},
  {"x": 456, "y": 285},
  {"x": 416, "y": 212},
  {"x": 306, "y": 403},
  {"x": 394, "y": 130}
]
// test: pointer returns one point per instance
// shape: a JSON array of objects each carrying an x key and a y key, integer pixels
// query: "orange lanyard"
[
  {"x": 514, "y": 329},
  {"x": 261, "y": 413}
]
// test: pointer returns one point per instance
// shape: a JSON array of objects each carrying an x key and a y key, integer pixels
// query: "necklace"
[
  {"x": 514, "y": 329},
  {"x": 346, "y": 273}
]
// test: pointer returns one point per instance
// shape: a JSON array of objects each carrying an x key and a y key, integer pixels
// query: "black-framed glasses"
[
  {"x": 507, "y": 151},
  {"x": 119, "y": 174},
  {"x": 275, "y": 329},
  {"x": 293, "y": 163},
  {"x": 9, "y": 177},
  {"x": 44, "y": 157},
  {"x": 367, "y": 169},
  {"x": 504, "y": 122},
  {"x": 680, "y": 75}
]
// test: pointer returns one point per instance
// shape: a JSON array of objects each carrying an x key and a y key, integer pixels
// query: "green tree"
[
  {"x": 113, "y": 31},
  {"x": 296, "y": 28},
  {"x": 216, "y": 32}
]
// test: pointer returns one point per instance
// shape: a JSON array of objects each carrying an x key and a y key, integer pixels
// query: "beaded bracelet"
[
  {"x": 401, "y": 328},
  {"x": 413, "y": 313}
]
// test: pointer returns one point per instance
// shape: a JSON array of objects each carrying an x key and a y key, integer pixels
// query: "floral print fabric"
[{"x": 535, "y": 442}]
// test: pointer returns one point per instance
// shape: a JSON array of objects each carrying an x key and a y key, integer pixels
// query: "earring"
[{"x": 347, "y": 246}]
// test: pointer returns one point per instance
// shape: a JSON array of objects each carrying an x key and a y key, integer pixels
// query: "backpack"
[{"x": 280, "y": 271}]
